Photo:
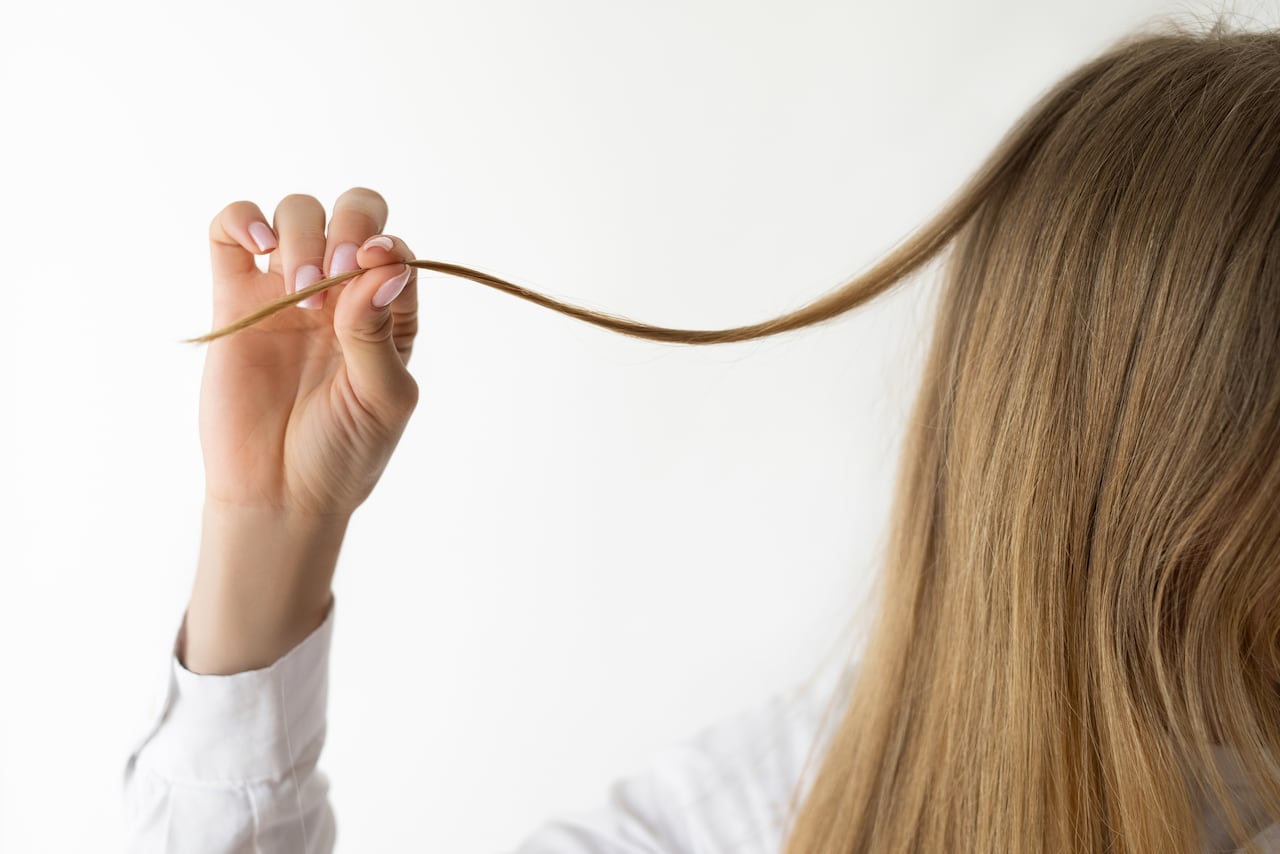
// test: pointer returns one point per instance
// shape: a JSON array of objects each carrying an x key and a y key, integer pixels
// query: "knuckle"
[
  {"x": 378, "y": 330},
  {"x": 366, "y": 196},
  {"x": 301, "y": 200},
  {"x": 410, "y": 395},
  {"x": 362, "y": 209},
  {"x": 234, "y": 210}
]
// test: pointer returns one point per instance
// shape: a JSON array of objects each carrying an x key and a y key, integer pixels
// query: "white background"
[{"x": 587, "y": 546}]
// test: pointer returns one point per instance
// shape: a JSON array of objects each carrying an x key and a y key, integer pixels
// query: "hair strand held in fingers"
[{"x": 1078, "y": 615}]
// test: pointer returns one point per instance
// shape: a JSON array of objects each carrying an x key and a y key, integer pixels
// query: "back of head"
[{"x": 1081, "y": 592}]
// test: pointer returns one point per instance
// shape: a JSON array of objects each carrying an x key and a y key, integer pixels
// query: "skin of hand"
[
  {"x": 299, "y": 416},
  {"x": 301, "y": 413}
]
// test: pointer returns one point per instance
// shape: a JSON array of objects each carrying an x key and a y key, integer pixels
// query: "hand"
[{"x": 300, "y": 413}]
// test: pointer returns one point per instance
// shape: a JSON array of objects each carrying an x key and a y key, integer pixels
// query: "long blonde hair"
[
  {"x": 1082, "y": 582},
  {"x": 1081, "y": 592}
]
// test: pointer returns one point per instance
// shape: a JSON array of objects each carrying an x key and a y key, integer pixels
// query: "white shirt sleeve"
[{"x": 231, "y": 766}]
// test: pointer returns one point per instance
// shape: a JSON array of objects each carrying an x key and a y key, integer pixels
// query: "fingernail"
[
  {"x": 344, "y": 259},
  {"x": 380, "y": 240},
  {"x": 390, "y": 289},
  {"x": 262, "y": 235},
  {"x": 307, "y": 275}
]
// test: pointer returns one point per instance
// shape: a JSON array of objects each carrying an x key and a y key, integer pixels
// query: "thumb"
[{"x": 365, "y": 330}]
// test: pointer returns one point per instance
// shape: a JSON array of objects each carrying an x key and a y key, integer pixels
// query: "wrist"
[{"x": 263, "y": 583}]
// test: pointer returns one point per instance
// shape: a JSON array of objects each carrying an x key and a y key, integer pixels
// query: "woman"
[{"x": 1077, "y": 646}]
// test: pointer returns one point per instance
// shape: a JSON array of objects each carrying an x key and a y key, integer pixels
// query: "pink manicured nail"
[
  {"x": 262, "y": 235},
  {"x": 306, "y": 275},
  {"x": 343, "y": 260},
  {"x": 391, "y": 289},
  {"x": 380, "y": 240}
]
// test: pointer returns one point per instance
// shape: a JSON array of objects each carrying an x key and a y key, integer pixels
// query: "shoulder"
[{"x": 731, "y": 783}]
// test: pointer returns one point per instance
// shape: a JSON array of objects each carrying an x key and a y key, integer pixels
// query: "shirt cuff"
[{"x": 242, "y": 727}]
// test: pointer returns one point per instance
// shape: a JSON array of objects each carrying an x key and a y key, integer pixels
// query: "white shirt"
[{"x": 231, "y": 766}]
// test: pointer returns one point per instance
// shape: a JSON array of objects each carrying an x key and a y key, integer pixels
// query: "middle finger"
[{"x": 299, "y": 221}]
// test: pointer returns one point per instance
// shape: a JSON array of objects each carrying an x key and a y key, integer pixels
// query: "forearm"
[{"x": 263, "y": 583}]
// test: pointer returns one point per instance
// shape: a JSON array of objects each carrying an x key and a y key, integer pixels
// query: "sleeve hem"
[{"x": 245, "y": 727}]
